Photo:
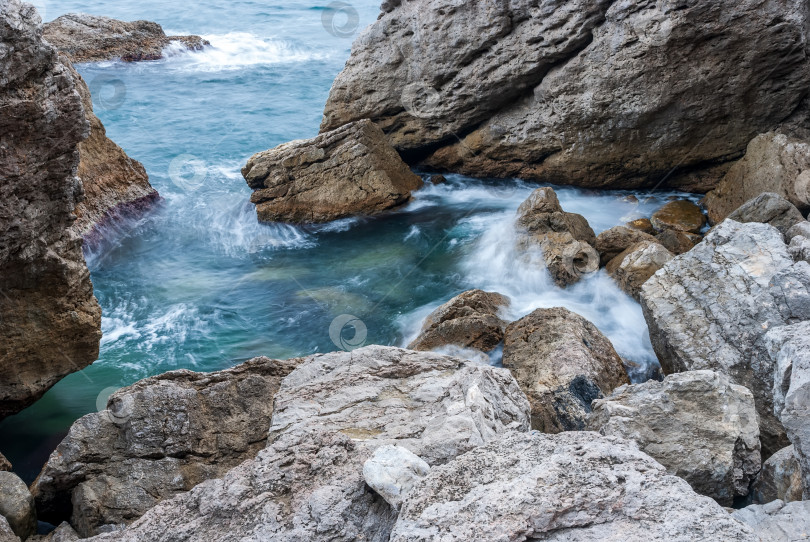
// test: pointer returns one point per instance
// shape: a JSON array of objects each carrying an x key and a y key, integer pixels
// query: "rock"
[
  {"x": 438, "y": 179},
  {"x": 566, "y": 259},
  {"x": 392, "y": 471},
  {"x": 571, "y": 486},
  {"x": 50, "y": 323},
  {"x": 469, "y": 320},
  {"x": 17, "y": 505},
  {"x": 593, "y": 93},
  {"x": 63, "y": 533},
  {"x": 799, "y": 248},
  {"x": 633, "y": 267},
  {"x": 642, "y": 224},
  {"x": 802, "y": 229},
  {"x": 158, "y": 437},
  {"x": 562, "y": 362},
  {"x": 777, "y": 521},
  {"x": 88, "y": 38},
  {"x": 349, "y": 171},
  {"x": 6, "y": 534},
  {"x": 773, "y": 162},
  {"x": 769, "y": 208},
  {"x": 680, "y": 215},
  {"x": 114, "y": 184},
  {"x": 678, "y": 242},
  {"x": 5, "y": 464},
  {"x": 779, "y": 479},
  {"x": 789, "y": 347},
  {"x": 542, "y": 213},
  {"x": 610, "y": 243},
  {"x": 697, "y": 424},
  {"x": 711, "y": 307}
]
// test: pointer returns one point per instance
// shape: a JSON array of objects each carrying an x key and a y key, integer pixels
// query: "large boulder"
[
  {"x": 697, "y": 424},
  {"x": 571, "y": 486},
  {"x": 50, "y": 323},
  {"x": 633, "y": 267},
  {"x": 595, "y": 93},
  {"x": 773, "y": 162},
  {"x": 469, "y": 320},
  {"x": 610, "y": 243},
  {"x": 769, "y": 208},
  {"x": 88, "y": 38},
  {"x": 562, "y": 362},
  {"x": 790, "y": 349},
  {"x": 711, "y": 307},
  {"x": 349, "y": 171},
  {"x": 779, "y": 479},
  {"x": 777, "y": 521},
  {"x": 158, "y": 437},
  {"x": 17, "y": 505}
]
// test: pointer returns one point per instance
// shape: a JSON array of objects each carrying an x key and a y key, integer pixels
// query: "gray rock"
[
  {"x": 799, "y": 248},
  {"x": 6, "y": 534},
  {"x": 571, "y": 486},
  {"x": 392, "y": 471},
  {"x": 633, "y": 267},
  {"x": 769, "y": 208},
  {"x": 610, "y": 243},
  {"x": 779, "y": 479},
  {"x": 17, "y": 505},
  {"x": 777, "y": 521},
  {"x": 697, "y": 424},
  {"x": 711, "y": 307},
  {"x": 562, "y": 362},
  {"x": 63, "y": 533},
  {"x": 802, "y": 229}
]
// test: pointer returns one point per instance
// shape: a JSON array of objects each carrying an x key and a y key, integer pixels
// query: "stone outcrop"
[
  {"x": 697, "y": 424},
  {"x": 17, "y": 505},
  {"x": 610, "y": 243},
  {"x": 773, "y": 162},
  {"x": 158, "y": 437},
  {"x": 469, "y": 320},
  {"x": 711, "y": 307},
  {"x": 49, "y": 320},
  {"x": 349, "y": 171},
  {"x": 562, "y": 363},
  {"x": 777, "y": 521},
  {"x": 769, "y": 208},
  {"x": 679, "y": 215},
  {"x": 633, "y": 267},
  {"x": 779, "y": 479},
  {"x": 571, "y": 486},
  {"x": 592, "y": 93},
  {"x": 88, "y": 38}
]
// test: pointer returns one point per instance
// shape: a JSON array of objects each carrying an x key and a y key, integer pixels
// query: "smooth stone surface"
[
  {"x": 681, "y": 215},
  {"x": 769, "y": 208},
  {"x": 779, "y": 479},
  {"x": 392, "y": 471}
]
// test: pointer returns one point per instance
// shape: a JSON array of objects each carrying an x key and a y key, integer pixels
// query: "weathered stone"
[
  {"x": 799, "y": 248},
  {"x": 349, "y": 171},
  {"x": 633, "y": 267},
  {"x": 802, "y": 229},
  {"x": 392, "y": 472},
  {"x": 769, "y": 208},
  {"x": 469, "y": 320},
  {"x": 50, "y": 323},
  {"x": 678, "y": 242},
  {"x": 610, "y": 243},
  {"x": 777, "y": 521},
  {"x": 63, "y": 533},
  {"x": 642, "y": 224},
  {"x": 87, "y": 38},
  {"x": 571, "y": 486},
  {"x": 158, "y": 437},
  {"x": 681, "y": 215},
  {"x": 17, "y": 505},
  {"x": 697, "y": 424},
  {"x": 542, "y": 213},
  {"x": 773, "y": 162},
  {"x": 5, "y": 464},
  {"x": 779, "y": 479},
  {"x": 6, "y": 534},
  {"x": 710, "y": 308},
  {"x": 562, "y": 362}
]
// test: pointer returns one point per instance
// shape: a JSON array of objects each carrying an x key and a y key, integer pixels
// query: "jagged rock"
[
  {"x": 469, "y": 320},
  {"x": 680, "y": 215},
  {"x": 710, "y": 308},
  {"x": 542, "y": 213},
  {"x": 779, "y": 479},
  {"x": 789, "y": 347},
  {"x": 349, "y": 171},
  {"x": 633, "y": 267},
  {"x": 697, "y": 424},
  {"x": 392, "y": 472},
  {"x": 88, "y": 38},
  {"x": 564, "y": 92},
  {"x": 158, "y": 437},
  {"x": 610, "y": 243},
  {"x": 6, "y": 534},
  {"x": 17, "y": 505},
  {"x": 678, "y": 242},
  {"x": 642, "y": 224},
  {"x": 5, "y": 464},
  {"x": 50, "y": 323},
  {"x": 562, "y": 362},
  {"x": 769, "y": 208},
  {"x": 777, "y": 521},
  {"x": 773, "y": 162},
  {"x": 571, "y": 486}
]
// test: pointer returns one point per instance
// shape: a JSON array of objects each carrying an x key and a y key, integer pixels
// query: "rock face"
[
  {"x": 633, "y": 267},
  {"x": 769, "y": 208},
  {"x": 680, "y": 215},
  {"x": 777, "y": 521},
  {"x": 711, "y": 307},
  {"x": 50, "y": 323},
  {"x": 565, "y": 91},
  {"x": 779, "y": 479},
  {"x": 773, "y": 162},
  {"x": 571, "y": 486},
  {"x": 87, "y": 38},
  {"x": 790, "y": 349},
  {"x": 349, "y": 171},
  {"x": 393, "y": 471},
  {"x": 17, "y": 505},
  {"x": 562, "y": 362},
  {"x": 697, "y": 424},
  {"x": 157, "y": 438},
  {"x": 610, "y": 243},
  {"x": 469, "y": 320}
]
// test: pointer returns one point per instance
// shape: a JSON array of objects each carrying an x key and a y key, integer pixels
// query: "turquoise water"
[{"x": 199, "y": 284}]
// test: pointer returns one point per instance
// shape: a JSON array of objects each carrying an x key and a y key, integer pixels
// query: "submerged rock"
[
  {"x": 88, "y": 38},
  {"x": 779, "y": 479},
  {"x": 680, "y": 215},
  {"x": 610, "y": 243},
  {"x": 769, "y": 208},
  {"x": 633, "y": 267},
  {"x": 469, "y": 320},
  {"x": 777, "y": 521},
  {"x": 562, "y": 362},
  {"x": 50, "y": 323},
  {"x": 349, "y": 171},
  {"x": 697, "y": 424}
]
